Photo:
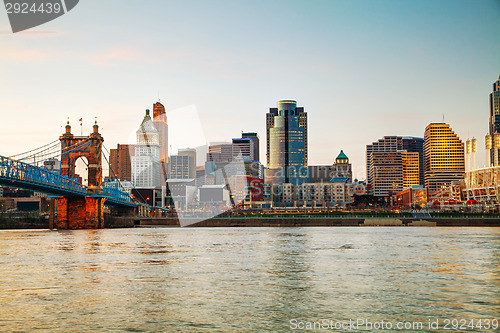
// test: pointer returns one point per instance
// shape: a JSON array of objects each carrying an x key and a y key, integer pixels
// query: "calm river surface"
[{"x": 247, "y": 279}]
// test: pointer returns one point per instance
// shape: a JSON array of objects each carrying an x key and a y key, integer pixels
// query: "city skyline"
[{"x": 362, "y": 70}]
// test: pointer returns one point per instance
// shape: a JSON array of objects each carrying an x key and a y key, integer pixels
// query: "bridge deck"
[{"x": 18, "y": 174}]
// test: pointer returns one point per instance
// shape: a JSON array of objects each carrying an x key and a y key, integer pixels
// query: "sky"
[{"x": 361, "y": 69}]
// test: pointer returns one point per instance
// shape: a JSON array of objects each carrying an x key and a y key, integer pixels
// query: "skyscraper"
[
  {"x": 180, "y": 167},
  {"x": 146, "y": 162},
  {"x": 222, "y": 152},
  {"x": 397, "y": 162},
  {"x": 394, "y": 144},
  {"x": 411, "y": 168},
  {"x": 386, "y": 173},
  {"x": 256, "y": 143},
  {"x": 191, "y": 152},
  {"x": 287, "y": 142},
  {"x": 495, "y": 118},
  {"x": 443, "y": 158},
  {"x": 120, "y": 164},
  {"x": 160, "y": 123},
  {"x": 245, "y": 147}
]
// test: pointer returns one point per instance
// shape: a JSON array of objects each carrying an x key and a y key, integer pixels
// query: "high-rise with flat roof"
[
  {"x": 386, "y": 173},
  {"x": 120, "y": 162},
  {"x": 245, "y": 147},
  {"x": 287, "y": 142},
  {"x": 256, "y": 143},
  {"x": 394, "y": 162},
  {"x": 191, "y": 152},
  {"x": 395, "y": 144},
  {"x": 180, "y": 167},
  {"x": 443, "y": 158},
  {"x": 222, "y": 152}
]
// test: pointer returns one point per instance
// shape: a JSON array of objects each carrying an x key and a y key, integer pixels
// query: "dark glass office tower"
[
  {"x": 287, "y": 142},
  {"x": 495, "y": 117}
]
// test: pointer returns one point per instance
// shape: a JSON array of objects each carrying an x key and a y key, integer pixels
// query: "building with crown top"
[
  {"x": 146, "y": 160},
  {"x": 342, "y": 168}
]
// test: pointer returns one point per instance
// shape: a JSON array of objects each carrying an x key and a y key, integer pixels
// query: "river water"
[{"x": 249, "y": 279}]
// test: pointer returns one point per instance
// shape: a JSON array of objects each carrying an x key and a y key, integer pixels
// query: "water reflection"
[{"x": 239, "y": 279}]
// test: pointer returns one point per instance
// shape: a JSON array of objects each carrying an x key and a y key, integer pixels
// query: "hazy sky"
[{"x": 361, "y": 69}]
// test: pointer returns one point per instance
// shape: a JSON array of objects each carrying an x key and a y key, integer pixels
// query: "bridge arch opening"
[{"x": 81, "y": 169}]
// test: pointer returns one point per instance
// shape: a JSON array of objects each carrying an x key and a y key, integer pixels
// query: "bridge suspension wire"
[
  {"x": 109, "y": 164},
  {"x": 50, "y": 151},
  {"x": 39, "y": 150},
  {"x": 55, "y": 154},
  {"x": 114, "y": 173}
]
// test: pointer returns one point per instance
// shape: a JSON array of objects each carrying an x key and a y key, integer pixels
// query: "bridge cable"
[{"x": 133, "y": 185}]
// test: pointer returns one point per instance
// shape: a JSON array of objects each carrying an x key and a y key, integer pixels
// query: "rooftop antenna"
[{"x": 443, "y": 117}]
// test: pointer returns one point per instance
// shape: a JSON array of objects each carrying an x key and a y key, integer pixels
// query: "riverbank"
[
  {"x": 324, "y": 222},
  {"x": 131, "y": 222}
]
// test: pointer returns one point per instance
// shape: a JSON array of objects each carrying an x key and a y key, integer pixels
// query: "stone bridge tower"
[
  {"x": 90, "y": 147},
  {"x": 81, "y": 212}
]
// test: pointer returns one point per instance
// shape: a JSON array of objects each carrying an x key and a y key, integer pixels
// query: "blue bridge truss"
[{"x": 14, "y": 173}]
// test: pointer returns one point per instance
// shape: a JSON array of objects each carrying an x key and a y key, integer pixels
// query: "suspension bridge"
[{"x": 73, "y": 205}]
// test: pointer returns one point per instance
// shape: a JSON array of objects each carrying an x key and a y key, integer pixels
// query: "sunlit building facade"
[
  {"x": 160, "y": 123},
  {"x": 393, "y": 163},
  {"x": 120, "y": 164},
  {"x": 483, "y": 185},
  {"x": 411, "y": 168},
  {"x": 386, "y": 173},
  {"x": 444, "y": 160}
]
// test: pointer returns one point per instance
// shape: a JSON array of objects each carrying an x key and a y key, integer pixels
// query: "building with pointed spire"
[{"x": 146, "y": 160}]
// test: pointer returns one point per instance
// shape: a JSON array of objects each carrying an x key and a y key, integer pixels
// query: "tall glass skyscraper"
[
  {"x": 495, "y": 117},
  {"x": 287, "y": 142}
]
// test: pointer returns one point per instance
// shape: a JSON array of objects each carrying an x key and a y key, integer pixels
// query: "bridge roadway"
[{"x": 18, "y": 174}]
